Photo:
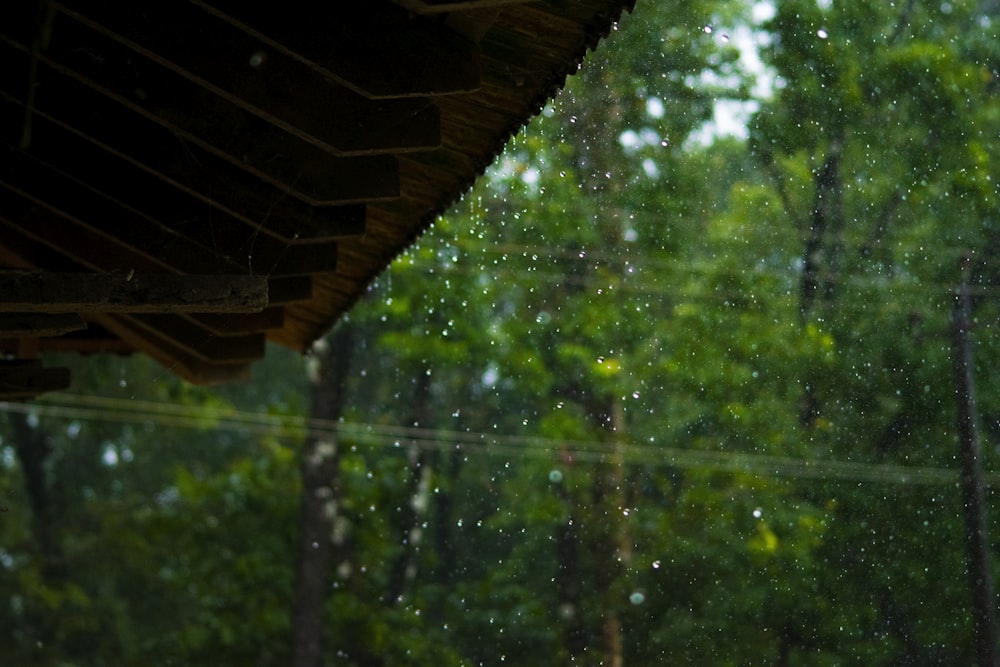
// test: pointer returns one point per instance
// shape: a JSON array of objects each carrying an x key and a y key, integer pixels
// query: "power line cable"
[{"x": 111, "y": 409}]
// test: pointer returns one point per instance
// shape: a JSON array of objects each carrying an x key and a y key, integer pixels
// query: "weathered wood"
[
  {"x": 54, "y": 210},
  {"x": 376, "y": 49},
  {"x": 173, "y": 357},
  {"x": 179, "y": 125},
  {"x": 201, "y": 342},
  {"x": 285, "y": 92},
  {"x": 17, "y": 325},
  {"x": 44, "y": 203},
  {"x": 283, "y": 291},
  {"x": 230, "y": 324},
  {"x": 21, "y": 381},
  {"x": 442, "y": 6},
  {"x": 38, "y": 292}
]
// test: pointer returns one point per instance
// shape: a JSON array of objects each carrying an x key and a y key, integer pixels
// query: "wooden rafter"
[
  {"x": 375, "y": 49},
  {"x": 285, "y": 92},
  {"x": 195, "y": 126},
  {"x": 444, "y": 6},
  {"x": 17, "y": 325},
  {"x": 43, "y": 292}
]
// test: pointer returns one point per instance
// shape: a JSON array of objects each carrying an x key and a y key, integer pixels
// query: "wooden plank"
[
  {"x": 442, "y": 6},
  {"x": 174, "y": 358},
  {"x": 93, "y": 185},
  {"x": 230, "y": 324},
  {"x": 282, "y": 291},
  {"x": 25, "y": 380},
  {"x": 373, "y": 48},
  {"x": 82, "y": 342},
  {"x": 60, "y": 207},
  {"x": 200, "y": 342},
  {"x": 39, "y": 325},
  {"x": 56, "y": 211},
  {"x": 40, "y": 292},
  {"x": 209, "y": 142},
  {"x": 251, "y": 74}
]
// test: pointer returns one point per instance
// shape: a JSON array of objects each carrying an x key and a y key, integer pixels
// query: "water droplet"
[
  {"x": 656, "y": 565},
  {"x": 555, "y": 476},
  {"x": 257, "y": 59},
  {"x": 822, "y": 34},
  {"x": 758, "y": 513},
  {"x": 637, "y": 598},
  {"x": 707, "y": 29}
]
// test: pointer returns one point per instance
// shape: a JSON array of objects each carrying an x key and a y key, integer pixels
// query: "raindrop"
[
  {"x": 758, "y": 513},
  {"x": 637, "y": 598},
  {"x": 707, "y": 29},
  {"x": 315, "y": 545},
  {"x": 257, "y": 59},
  {"x": 555, "y": 476},
  {"x": 822, "y": 34},
  {"x": 656, "y": 565}
]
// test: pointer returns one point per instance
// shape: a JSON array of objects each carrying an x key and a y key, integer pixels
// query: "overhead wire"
[{"x": 382, "y": 436}]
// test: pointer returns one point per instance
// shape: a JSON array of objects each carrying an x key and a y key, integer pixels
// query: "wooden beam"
[
  {"x": 23, "y": 380},
  {"x": 54, "y": 210},
  {"x": 167, "y": 209},
  {"x": 43, "y": 202},
  {"x": 373, "y": 48},
  {"x": 200, "y": 342},
  {"x": 283, "y": 291},
  {"x": 174, "y": 358},
  {"x": 38, "y": 292},
  {"x": 205, "y": 144},
  {"x": 40, "y": 325},
  {"x": 442, "y": 6},
  {"x": 251, "y": 74},
  {"x": 232, "y": 325}
]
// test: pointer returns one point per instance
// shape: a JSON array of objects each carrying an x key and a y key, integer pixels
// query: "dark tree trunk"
[
  {"x": 972, "y": 483},
  {"x": 444, "y": 543},
  {"x": 321, "y": 493},
  {"x": 33, "y": 450},
  {"x": 821, "y": 259},
  {"x": 410, "y": 511},
  {"x": 569, "y": 580}
]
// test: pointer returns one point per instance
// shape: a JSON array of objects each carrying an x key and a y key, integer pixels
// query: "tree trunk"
[
  {"x": 33, "y": 450},
  {"x": 319, "y": 524},
  {"x": 613, "y": 548},
  {"x": 569, "y": 579},
  {"x": 973, "y": 484},
  {"x": 412, "y": 511}
]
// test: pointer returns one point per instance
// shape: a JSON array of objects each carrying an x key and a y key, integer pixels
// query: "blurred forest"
[{"x": 649, "y": 394}]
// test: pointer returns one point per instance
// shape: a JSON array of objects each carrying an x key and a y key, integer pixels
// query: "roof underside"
[{"x": 187, "y": 179}]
